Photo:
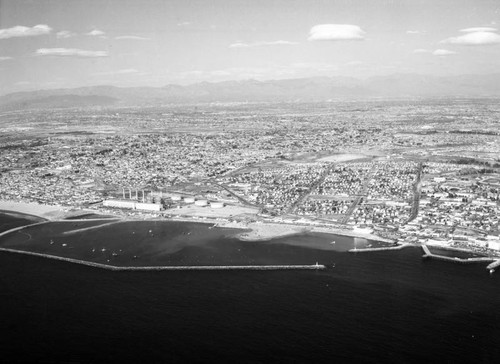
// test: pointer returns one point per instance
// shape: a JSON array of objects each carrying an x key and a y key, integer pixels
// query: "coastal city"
[
  {"x": 413, "y": 175},
  {"x": 190, "y": 181}
]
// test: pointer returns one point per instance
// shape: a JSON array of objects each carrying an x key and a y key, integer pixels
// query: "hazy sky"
[{"x": 70, "y": 43}]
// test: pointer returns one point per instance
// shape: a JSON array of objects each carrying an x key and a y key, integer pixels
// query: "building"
[
  {"x": 133, "y": 205},
  {"x": 121, "y": 204},
  {"x": 147, "y": 206}
]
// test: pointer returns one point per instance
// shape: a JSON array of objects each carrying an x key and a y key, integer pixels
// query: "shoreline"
[
  {"x": 252, "y": 231},
  {"x": 257, "y": 231},
  {"x": 249, "y": 231}
]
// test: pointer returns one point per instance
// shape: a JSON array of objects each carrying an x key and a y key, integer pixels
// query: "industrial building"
[
  {"x": 216, "y": 205},
  {"x": 130, "y": 204}
]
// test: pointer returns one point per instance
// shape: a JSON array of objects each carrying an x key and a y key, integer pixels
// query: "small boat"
[
  {"x": 333, "y": 242},
  {"x": 64, "y": 244},
  {"x": 51, "y": 241}
]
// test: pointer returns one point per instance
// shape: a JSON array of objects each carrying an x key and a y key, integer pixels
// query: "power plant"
[{"x": 149, "y": 200}]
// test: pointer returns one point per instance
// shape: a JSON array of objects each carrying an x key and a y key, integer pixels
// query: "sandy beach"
[{"x": 30, "y": 208}]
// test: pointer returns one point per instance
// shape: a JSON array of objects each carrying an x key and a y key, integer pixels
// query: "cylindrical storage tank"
[
  {"x": 175, "y": 198},
  {"x": 189, "y": 199},
  {"x": 201, "y": 203},
  {"x": 216, "y": 205}
]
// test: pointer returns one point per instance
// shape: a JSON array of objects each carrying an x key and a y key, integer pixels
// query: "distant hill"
[
  {"x": 305, "y": 89},
  {"x": 56, "y": 101}
]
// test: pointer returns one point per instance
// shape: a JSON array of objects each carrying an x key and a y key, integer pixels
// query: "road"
[
  {"x": 293, "y": 207},
  {"x": 417, "y": 186},
  {"x": 362, "y": 193}
]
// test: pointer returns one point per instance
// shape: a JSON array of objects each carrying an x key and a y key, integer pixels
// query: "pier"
[
  {"x": 382, "y": 248},
  {"x": 170, "y": 268}
]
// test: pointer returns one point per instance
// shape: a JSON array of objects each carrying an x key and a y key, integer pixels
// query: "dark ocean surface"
[{"x": 390, "y": 307}]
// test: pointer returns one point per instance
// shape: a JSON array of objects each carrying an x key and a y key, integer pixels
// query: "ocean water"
[{"x": 390, "y": 307}]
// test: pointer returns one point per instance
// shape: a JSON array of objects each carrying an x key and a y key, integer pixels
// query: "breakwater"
[
  {"x": 22, "y": 227},
  {"x": 382, "y": 248},
  {"x": 76, "y": 231},
  {"x": 157, "y": 268},
  {"x": 493, "y": 265},
  {"x": 429, "y": 254}
]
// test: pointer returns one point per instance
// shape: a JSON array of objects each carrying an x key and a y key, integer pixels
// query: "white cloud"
[
  {"x": 63, "y": 34},
  {"x": 259, "y": 44},
  {"x": 69, "y": 52},
  {"x": 414, "y": 32},
  {"x": 475, "y": 36},
  {"x": 131, "y": 37},
  {"x": 336, "y": 32},
  {"x": 22, "y": 31},
  {"x": 96, "y": 33},
  {"x": 443, "y": 52},
  {"x": 421, "y": 50},
  {"x": 479, "y": 29},
  {"x": 184, "y": 24},
  {"x": 5, "y": 58}
]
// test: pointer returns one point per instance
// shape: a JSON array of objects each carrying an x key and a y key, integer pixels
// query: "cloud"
[
  {"x": 479, "y": 29},
  {"x": 443, "y": 52},
  {"x": 475, "y": 37},
  {"x": 63, "y": 34},
  {"x": 5, "y": 58},
  {"x": 131, "y": 37},
  {"x": 259, "y": 44},
  {"x": 336, "y": 32},
  {"x": 96, "y": 33},
  {"x": 127, "y": 71},
  {"x": 184, "y": 24},
  {"x": 22, "y": 31},
  {"x": 421, "y": 50},
  {"x": 414, "y": 32},
  {"x": 70, "y": 52},
  {"x": 354, "y": 63}
]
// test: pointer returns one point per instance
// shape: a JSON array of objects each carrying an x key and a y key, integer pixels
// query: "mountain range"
[{"x": 304, "y": 89}]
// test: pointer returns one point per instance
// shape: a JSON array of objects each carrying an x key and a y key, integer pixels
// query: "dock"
[{"x": 170, "y": 268}]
